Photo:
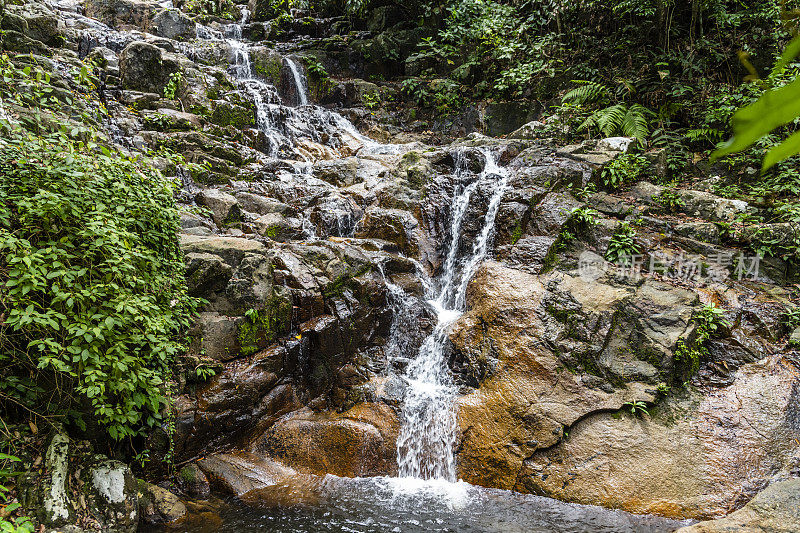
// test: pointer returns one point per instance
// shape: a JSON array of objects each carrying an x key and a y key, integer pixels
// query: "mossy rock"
[
  {"x": 229, "y": 114},
  {"x": 262, "y": 327}
]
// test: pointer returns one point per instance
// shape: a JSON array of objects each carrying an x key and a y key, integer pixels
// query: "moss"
[
  {"x": 233, "y": 115},
  {"x": 263, "y": 326},
  {"x": 338, "y": 286},
  {"x": 188, "y": 474}
]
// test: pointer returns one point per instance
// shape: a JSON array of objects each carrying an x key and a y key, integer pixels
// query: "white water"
[
  {"x": 300, "y": 85},
  {"x": 428, "y": 435}
]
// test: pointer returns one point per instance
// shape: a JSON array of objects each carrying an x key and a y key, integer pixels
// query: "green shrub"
[
  {"x": 623, "y": 244},
  {"x": 91, "y": 282},
  {"x": 626, "y": 169}
]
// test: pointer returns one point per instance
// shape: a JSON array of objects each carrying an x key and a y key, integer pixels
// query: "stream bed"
[{"x": 404, "y": 505}]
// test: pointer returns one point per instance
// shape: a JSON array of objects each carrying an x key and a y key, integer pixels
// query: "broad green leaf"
[
  {"x": 785, "y": 150},
  {"x": 774, "y": 109}
]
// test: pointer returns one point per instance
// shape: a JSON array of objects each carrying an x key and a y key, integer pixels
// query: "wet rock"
[
  {"x": 216, "y": 336},
  {"x": 546, "y": 351},
  {"x": 262, "y": 205},
  {"x": 224, "y": 207},
  {"x": 278, "y": 228},
  {"x": 336, "y": 216},
  {"x": 144, "y": 67},
  {"x": 697, "y": 455},
  {"x": 233, "y": 114},
  {"x": 776, "y": 509},
  {"x": 528, "y": 254},
  {"x": 194, "y": 482},
  {"x": 112, "y": 495},
  {"x": 206, "y": 273},
  {"x": 159, "y": 506},
  {"x": 173, "y": 24},
  {"x": 243, "y": 472},
  {"x": 358, "y": 442},
  {"x": 393, "y": 225}
]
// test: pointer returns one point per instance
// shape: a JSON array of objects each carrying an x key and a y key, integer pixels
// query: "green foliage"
[
  {"x": 623, "y": 244},
  {"x": 92, "y": 286},
  {"x": 624, "y": 170},
  {"x": 637, "y": 408},
  {"x": 628, "y": 120},
  {"x": 173, "y": 85},
  {"x": 791, "y": 317},
  {"x": 669, "y": 200},
  {"x": 20, "y": 524},
  {"x": 709, "y": 323},
  {"x": 372, "y": 100},
  {"x": 316, "y": 69},
  {"x": 774, "y": 109},
  {"x": 225, "y": 9}
]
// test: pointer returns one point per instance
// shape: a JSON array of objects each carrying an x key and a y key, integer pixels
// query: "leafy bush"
[
  {"x": 91, "y": 282},
  {"x": 626, "y": 169},
  {"x": 669, "y": 200},
  {"x": 623, "y": 244},
  {"x": 709, "y": 321}
]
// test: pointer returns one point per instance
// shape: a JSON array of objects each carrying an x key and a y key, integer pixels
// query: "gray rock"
[
  {"x": 261, "y": 205},
  {"x": 159, "y": 506},
  {"x": 173, "y": 24},
  {"x": 112, "y": 495},
  {"x": 144, "y": 67},
  {"x": 224, "y": 207},
  {"x": 35, "y": 21},
  {"x": 776, "y": 509}
]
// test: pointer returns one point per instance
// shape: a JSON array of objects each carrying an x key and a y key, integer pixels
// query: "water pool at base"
[{"x": 381, "y": 505}]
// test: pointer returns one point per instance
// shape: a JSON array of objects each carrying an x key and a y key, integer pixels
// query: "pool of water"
[{"x": 380, "y": 505}]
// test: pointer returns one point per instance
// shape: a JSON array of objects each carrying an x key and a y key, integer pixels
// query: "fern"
[
  {"x": 630, "y": 121},
  {"x": 587, "y": 93}
]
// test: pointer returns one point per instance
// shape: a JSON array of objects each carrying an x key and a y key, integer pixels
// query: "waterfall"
[
  {"x": 427, "y": 437},
  {"x": 300, "y": 84}
]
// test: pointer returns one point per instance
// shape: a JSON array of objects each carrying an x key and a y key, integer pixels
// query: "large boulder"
[
  {"x": 145, "y": 67},
  {"x": 545, "y": 352},
  {"x": 697, "y": 455},
  {"x": 159, "y": 506},
  {"x": 112, "y": 495},
  {"x": 358, "y": 442},
  {"x": 35, "y": 21},
  {"x": 173, "y": 24}
]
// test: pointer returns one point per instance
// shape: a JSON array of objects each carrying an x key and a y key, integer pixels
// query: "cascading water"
[
  {"x": 427, "y": 437},
  {"x": 301, "y": 87}
]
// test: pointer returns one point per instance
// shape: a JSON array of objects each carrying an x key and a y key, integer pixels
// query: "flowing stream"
[
  {"x": 426, "y": 495},
  {"x": 427, "y": 437}
]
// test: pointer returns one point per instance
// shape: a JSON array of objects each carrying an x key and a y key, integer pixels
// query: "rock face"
[
  {"x": 159, "y": 506},
  {"x": 544, "y": 352},
  {"x": 144, "y": 67},
  {"x": 697, "y": 456},
  {"x": 776, "y": 509}
]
